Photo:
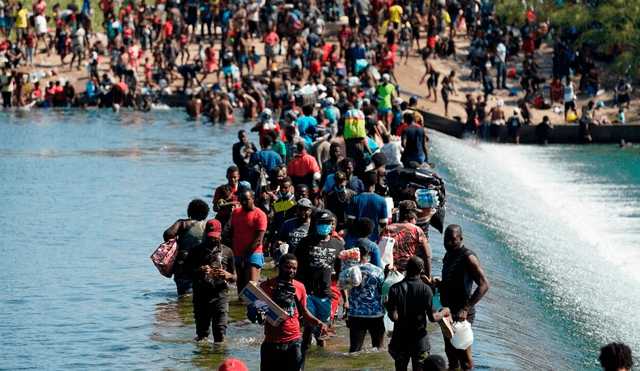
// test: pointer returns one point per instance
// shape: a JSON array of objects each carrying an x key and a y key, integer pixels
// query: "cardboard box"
[{"x": 252, "y": 292}]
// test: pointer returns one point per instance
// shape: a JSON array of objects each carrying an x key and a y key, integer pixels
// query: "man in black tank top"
[{"x": 460, "y": 269}]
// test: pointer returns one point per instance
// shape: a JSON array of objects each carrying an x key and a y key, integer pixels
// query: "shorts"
[
  {"x": 296, "y": 63},
  {"x": 319, "y": 307},
  {"x": 212, "y": 314},
  {"x": 78, "y": 49},
  {"x": 256, "y": 259},
  {"x": 288, "y": 355},
  {"x": 384, "y": 111},
  {"x": 375, "y": 326},
  {"x": 568, "y": 105},
  {"x": 2, "y": 22},
  {"x": 402, "y": 356},
  {"x": 405, "y": 46},
  {"x": 227, "y": 71},
  {"x": 21, "y": 33}
]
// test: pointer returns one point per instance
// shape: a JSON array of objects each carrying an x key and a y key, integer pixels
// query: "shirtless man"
[
  {"x": 226, "y": 109},
  {"x": 432, "y": 82},
  {"x": 194, "y": 106},
  {"x": 497, "y": 120}
]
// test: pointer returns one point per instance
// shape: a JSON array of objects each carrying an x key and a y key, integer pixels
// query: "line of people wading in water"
[{"x": 304, "y": 198}]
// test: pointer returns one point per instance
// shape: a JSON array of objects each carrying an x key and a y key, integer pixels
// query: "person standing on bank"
[
  {"x": 188, "y": 233},
  {"x": 460, "y": 269},
  {"x": 247, "y": 227},
  {"x": 211, "y": 266},
  {"x": 409, "y": 301},
  {"x": 282, "y": 347}
]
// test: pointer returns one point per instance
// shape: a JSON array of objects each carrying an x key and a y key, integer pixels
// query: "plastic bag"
[
  {"x": 350, "y": 277},
  {"x": 393, "y": 278},
  {"x": 427, "y": 198},
  {"x": 386, "y": 251},
  {"x": 463, "y": 338}
]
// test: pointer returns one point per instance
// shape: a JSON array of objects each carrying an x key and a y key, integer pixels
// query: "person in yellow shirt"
[
  {"x": 21, "y": 23},
  {"x": 395, "y": 13}
]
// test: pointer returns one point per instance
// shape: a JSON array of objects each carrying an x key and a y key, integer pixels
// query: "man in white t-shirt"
[
  {"x": 501, "y": 65},
  {"x": 569, "y": 92}
]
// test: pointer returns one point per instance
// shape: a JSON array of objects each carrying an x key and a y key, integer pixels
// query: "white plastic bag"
[
  {"x": 386, "y": 251},
  {"x": 350, "y": 277},
  {"x": 463, "y": 338}
]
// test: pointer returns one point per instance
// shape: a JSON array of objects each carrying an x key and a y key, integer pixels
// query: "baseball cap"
[
  {"x": 242, "y": 185},
  {"x": 213, "y": 228},
  {"x": 323, "y": 216},
  {"x": 385, "y": 77},
  {"x": 339, "y": 175},
  {"x": 413, "y": 100},
  {"x": 232, "y": 365},
  {"x": 362, "y": 243},
  {"x": 408, "y": 205},
  {"x": 305, "y": 202}
]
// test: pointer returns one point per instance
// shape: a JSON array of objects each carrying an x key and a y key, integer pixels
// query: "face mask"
[
  {"x": 341, "y": 189},
  {"x": 323, "y": 229}
]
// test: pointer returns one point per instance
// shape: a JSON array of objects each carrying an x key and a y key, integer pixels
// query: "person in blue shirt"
[
  {"x": 365, "y": 313},
  {"x": 367, "y": 204},
  {"x": 363, "y": 228},
  {"x": 347, "y": 166},
  {"x": 305, "y": 122},
  {"x": 267, "y": 157}
]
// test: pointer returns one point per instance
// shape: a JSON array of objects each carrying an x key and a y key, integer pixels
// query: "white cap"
[
  {"x": 385, "y": 77},
  {"x": 516, "y": 111},
  {"x": 500, "y": 103}
]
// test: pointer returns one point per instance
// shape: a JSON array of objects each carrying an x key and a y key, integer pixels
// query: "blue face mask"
[
  {"x": 323, "y": 229},
  {"x": 341, "y": 189},
  {"x": 285, "y": 195}
]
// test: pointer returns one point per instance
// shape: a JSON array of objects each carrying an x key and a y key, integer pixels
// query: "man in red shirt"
[
  {"x": 282, "y": 346},
  {"x": 247, "y": 227},
  {"x": 304, "y": 169}
]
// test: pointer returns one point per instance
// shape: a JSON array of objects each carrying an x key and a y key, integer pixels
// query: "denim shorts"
[
  {"x": 384, "y": 111},
  {"x": 319, "y": 307},
  {"x": 256, "y": 259}
]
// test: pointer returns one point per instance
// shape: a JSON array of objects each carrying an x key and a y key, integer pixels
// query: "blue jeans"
[{"x": 502, "y": 73}]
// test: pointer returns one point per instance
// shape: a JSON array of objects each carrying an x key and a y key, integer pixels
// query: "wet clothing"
[
  {"x": 457, "y": 281},
  {"x": 210, "y": 297},
  {"x": 189, "y": 239},
  {"x": 244, "y": 225},
  {"x": 412, "y": 299}
]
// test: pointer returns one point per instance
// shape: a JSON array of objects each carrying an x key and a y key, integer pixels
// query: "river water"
[{"x": 87, "y": 195}]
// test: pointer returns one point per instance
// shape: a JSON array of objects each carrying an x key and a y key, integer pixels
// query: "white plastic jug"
[{"x": 463, "y": 338}]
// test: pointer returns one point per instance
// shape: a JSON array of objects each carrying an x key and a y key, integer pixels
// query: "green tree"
[{"x": 613, "y": 26}]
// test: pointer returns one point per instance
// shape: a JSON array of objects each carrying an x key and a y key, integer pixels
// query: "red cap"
[
  {"x": 213, "y": 228},
  {"x": 232, "y": 364}
]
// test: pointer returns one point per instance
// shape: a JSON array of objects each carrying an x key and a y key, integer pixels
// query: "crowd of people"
[
  {"x": 315, "y": 52},
  {"x": 351, "y": 190}
]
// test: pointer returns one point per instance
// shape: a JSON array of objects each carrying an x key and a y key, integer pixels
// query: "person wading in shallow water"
[
  {"x": 460, "y": 269},
  {"x": 188, "y": 233},
  {"x": 247, "y": 227},
  {"x": 409, "y": 301},
  {"x": 282, "y": 347}
]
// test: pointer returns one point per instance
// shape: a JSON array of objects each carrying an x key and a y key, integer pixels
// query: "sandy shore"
[{"x": 408, "y": 76}]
